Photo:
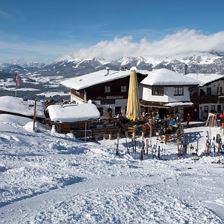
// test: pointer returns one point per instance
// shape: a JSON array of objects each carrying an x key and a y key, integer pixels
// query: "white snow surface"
[
  {"x": 165, "y": 77},
  {"x": 55, "y": 178},
  {"x": 19, "y": 106},
  {"x": 175, "y": 104},
  {"x": 102, "y": 76},
  {"x": 73, "y": 112},
  {"x": 51, "y": 94}
]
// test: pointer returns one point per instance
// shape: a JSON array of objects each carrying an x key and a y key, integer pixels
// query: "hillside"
[{"x": 51, "y": 178}]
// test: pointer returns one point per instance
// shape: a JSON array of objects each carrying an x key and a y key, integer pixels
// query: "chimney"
[{"x": 108, "y": 70}]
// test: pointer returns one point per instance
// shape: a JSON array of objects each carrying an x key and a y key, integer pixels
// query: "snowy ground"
[{"x": 51, "y": 178}]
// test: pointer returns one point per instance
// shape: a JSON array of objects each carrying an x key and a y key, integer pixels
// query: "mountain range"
[
  {"x": 200, "y": 62},
  {"x": 42, "y": 78}
]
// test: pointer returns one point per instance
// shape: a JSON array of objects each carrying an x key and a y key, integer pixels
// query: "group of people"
[{"x": 162, "y": 127}]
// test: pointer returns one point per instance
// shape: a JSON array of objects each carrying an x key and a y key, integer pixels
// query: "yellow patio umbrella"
[{"x": 133, "y": 107}]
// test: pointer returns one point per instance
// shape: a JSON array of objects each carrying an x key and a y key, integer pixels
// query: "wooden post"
[
  {"x": 135, "y": 144},
  {"x": 133, "y": 139},
  {"x": 133, "y": 134},
  {"x": 85, "y": 129},
  {"x": 126, "y": 140},
  {"x": 141, "y": 155},
  {"x": 132, "y": 142},
  {"x": 118, "y": 138},
  {"x": 34, "y": 114},
  {"x": 143, "y": 135},
  {"x": 147, "y": 146},
  {"x": 159, "y": 152},
  {"x": 110, "y": 135},
  {"x": 150, "y": 132},
  {"x": 142, "y": 151},
  {"x": 143, "y": 147}
]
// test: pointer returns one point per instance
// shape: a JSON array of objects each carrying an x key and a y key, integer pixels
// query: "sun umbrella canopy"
[{"x": 133, "y": 106}]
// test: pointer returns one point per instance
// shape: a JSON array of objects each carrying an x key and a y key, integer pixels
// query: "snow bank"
[
  {"x": 29, "y": 126},
  {"x": 17, "y": 105},
  {"x": 13, "y": 120}
]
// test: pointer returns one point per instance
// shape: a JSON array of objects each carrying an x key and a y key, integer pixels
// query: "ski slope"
[{"x": 53, "y": 178}]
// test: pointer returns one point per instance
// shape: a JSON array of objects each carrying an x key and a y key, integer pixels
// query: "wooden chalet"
[
  {"x": 208, "y": 96},
  {"x": 107, "y": 89},
  {"x": 82, "y": 120}
]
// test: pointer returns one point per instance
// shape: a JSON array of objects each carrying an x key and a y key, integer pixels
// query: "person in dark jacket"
[{"x": 188, "y": 118}]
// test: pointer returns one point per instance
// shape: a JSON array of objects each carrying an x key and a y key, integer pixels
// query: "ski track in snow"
[
  {"x": 52, "y": 178},
  {"x": 104, "y": 201}
]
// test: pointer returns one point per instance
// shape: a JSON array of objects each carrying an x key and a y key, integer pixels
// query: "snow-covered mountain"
[
  {"x": 47, "y": 77},
  {"x": 201, "y": 62}
]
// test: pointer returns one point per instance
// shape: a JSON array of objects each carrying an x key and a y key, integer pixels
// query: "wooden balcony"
[{"x": 205, "y": 99}]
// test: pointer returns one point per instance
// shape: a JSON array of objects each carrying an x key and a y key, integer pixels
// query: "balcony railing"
[{"x": 206, "y": 99}]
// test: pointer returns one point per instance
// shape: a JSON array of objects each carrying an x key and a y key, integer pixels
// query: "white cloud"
[{"x": 181, "y": 42}]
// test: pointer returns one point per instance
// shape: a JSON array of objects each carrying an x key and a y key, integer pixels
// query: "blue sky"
[{"x": 44, "y": 30}]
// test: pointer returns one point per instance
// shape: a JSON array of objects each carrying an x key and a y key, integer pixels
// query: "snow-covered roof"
[
  {"x": 91, "y": 79},
  {"x": 178, "y": 104},
  {"x": 17, "y": 105},
  {"x": 203, "y": 79},
  {"x": 166, "y": 77},
  {"x": 73, "y": 112}
]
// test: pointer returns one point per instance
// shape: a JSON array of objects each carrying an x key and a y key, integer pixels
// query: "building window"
[
  {"x": 107, "y": 89},
  {"x": 178, "y": 91},
  {"x": 158, "y": 91},
  {"x": 123, "y": 89},
  {"x": 202, "y": 92},
  {"x": 117, "y": 110},
  {"x": 212, "y": 108},
  {"x": 206, "y": 108},
  {"x": 209, "y": 91}
]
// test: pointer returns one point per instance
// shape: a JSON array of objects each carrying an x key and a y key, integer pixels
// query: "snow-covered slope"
[
  {"x": 19, "y": 106},
  {"x": 51, "y": 178}
]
